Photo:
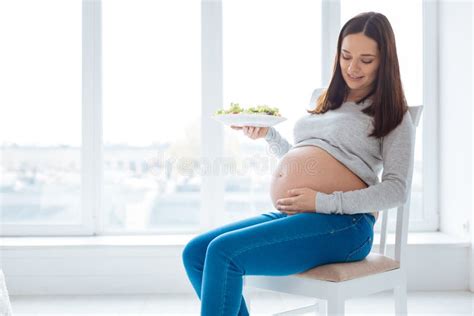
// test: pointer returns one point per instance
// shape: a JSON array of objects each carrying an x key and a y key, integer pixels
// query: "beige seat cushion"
[{"x": 342, "y": 271}]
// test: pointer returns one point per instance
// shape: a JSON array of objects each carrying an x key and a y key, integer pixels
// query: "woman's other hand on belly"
[{"x": 300, "y": 200}]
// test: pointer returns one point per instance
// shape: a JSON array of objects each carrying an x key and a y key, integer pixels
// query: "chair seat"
[{"x": 341, "y": 271}]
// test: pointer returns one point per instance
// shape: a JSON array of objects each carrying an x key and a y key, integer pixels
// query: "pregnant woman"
[{"x": 325, "y": 188}]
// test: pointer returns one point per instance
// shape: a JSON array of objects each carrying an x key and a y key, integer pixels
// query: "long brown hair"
[{"x": 388, "y": 99}]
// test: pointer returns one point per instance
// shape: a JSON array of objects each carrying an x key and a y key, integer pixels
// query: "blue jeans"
[{"x": 274, "y": 244}]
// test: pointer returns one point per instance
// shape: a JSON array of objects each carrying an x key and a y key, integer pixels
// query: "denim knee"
[
  {"x": 223, "y": 247},
  {"x": 217, "y": 245},
  {"x": 194, "y": 250}
]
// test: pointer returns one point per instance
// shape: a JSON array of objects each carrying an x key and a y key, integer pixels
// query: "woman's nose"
[{"x": 353, "y": 66}]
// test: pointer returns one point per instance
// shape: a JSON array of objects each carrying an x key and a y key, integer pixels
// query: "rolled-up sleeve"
[{"x": 277, "y": 145}]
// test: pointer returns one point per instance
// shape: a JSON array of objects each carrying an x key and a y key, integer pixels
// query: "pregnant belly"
[{"x": 312, "y": 167}]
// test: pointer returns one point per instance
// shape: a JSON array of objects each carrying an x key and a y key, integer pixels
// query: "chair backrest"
[{"x": 403, "y": 211}]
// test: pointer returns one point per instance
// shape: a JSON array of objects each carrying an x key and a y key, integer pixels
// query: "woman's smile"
[{"x": 355, "y": 78}]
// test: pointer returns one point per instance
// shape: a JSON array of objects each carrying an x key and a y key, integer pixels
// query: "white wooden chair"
[{"x": 332, "y": 284}]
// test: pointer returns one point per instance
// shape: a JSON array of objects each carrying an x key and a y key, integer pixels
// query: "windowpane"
[
  {"x": 40, "y": 114},
  {"x": 407, "y": 24},
  {"x": 152, "y": 104},
  {"x": 271, "y": 56}
]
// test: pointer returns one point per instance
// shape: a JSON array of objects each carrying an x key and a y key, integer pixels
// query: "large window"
[
  {"x": 40, "y": 112},
  {"x": 152, "y": 104},
  {"x": 272, "y": 56},
  {"x": 128, "y": 160},
  {"x": 407, "y": 24}
]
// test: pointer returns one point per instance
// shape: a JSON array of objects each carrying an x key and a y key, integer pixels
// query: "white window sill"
[
  {"x": 428, "y": 238},
  {"x": 415, "y": 238}
]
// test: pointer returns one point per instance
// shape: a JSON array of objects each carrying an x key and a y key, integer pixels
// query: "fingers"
[
  {"x": 287, "y": 205},
  {"x": 286, "y": 201},
  {"x": 248, "y": 130},
  {"x": 254, "y": 132},
  {"x": 294, "y": 192},
  {"x": 251, "y": 131}
]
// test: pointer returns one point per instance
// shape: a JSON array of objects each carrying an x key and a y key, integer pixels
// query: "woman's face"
[{"x": 359, "y": 60}]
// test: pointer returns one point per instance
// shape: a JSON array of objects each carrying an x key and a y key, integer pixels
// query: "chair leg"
[
  {"x": 400, "y": 293},
  {"x": 333, "y": 307},
  {"x": 247, "y": 296},
  {"x": 5, "y": 306}
]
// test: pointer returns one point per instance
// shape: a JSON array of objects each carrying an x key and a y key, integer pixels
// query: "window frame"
[{"x": 91, "y": 137}]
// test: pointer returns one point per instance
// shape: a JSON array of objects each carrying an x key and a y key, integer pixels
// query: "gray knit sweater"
[{"x": 343, "y": 133}]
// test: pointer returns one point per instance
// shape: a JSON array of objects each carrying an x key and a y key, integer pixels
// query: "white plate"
[{"x": 260, "y": 120}]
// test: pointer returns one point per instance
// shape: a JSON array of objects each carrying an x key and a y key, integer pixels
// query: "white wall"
[
  {"x": 131, "y": 269},
  {"x": 455, "y": 102}
]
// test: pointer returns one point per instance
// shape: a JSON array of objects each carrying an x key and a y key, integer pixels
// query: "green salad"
[{"x": 235, "y": 108}]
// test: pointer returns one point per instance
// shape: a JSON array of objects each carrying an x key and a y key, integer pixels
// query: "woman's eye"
[{"x": 364, "y": 61}]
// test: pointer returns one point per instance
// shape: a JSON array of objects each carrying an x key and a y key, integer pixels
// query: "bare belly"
[{"x": 312, "y": 167}]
